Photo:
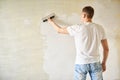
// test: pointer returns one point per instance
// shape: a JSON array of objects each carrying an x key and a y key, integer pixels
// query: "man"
[{"x": 88, "y": 37}]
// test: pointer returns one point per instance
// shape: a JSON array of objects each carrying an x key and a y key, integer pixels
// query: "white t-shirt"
[{"x": 87, "y": 41}]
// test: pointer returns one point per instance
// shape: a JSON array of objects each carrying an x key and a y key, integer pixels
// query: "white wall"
[{"x": 33, "y": 50}]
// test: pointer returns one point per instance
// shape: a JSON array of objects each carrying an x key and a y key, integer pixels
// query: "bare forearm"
[
  {"x": 105, "y": 56},
  {"x": 55, "y": 26},
  {"x": 105, "y": 50},
  {"x": 105, "y": 53},
  {"x": 58, "y": 28}
]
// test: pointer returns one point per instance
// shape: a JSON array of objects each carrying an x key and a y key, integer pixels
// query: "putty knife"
[{"x": 50, "y": 16}]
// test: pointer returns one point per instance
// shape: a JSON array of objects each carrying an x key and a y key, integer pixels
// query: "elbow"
[
  {"x": 107, "y": 50},
  {"x": 60, "y": 30}
]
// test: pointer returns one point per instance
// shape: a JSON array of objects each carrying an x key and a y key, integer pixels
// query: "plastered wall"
[{"x": 33, "y": 50}]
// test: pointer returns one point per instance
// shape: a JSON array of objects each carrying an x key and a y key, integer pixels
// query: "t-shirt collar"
[{"x": 86, "y": 23}]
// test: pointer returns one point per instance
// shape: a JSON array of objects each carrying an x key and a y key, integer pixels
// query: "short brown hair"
[{"x": 89, "y": 10}]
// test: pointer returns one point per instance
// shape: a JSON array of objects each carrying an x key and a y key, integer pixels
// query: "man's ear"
[{"x": 85, "y": 15}]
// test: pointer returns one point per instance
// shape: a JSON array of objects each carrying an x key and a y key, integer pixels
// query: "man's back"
[{"x": 87, "y": 40}]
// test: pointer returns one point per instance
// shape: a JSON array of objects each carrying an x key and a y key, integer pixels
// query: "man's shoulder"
[
  {"x": 76, "y": 26},
  {"x": 96, "y": 24},
  {"x": 98, "y": 27}
]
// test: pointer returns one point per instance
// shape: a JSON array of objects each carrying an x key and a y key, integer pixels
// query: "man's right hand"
[{"x": 50, "y": 20}]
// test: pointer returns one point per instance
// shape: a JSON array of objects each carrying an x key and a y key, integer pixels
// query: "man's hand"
[
  {"x": 103, "y": 67},
  {"x": 50, "y": 20}
]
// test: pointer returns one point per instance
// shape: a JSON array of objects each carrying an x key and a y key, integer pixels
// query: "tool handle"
[
  {"x": 47, "y": 19},
  {"x": 52, "y": 17}
]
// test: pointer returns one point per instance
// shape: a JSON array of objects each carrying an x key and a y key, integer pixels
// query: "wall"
[{"x": 33, "y": 50}]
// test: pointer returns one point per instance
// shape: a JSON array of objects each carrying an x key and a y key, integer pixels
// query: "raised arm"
[
  {"x": 57, "y": 27},
  {"x": 105, "y": 53}
]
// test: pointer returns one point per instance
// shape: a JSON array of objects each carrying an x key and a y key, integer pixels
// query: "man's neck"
[{"x": 88, "y": 21}]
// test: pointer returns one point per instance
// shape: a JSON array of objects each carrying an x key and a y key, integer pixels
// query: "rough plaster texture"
[{"x": 32, "y": 50}]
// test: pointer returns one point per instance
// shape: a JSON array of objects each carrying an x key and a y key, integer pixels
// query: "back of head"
[{"x": 89, "y": 11}]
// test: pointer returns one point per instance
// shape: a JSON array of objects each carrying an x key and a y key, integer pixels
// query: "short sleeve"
[
  {"x": 103, "y": 34},
  {"x": 72, "y": 30}
]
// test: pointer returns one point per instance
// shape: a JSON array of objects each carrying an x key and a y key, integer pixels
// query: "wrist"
[{"x": 103, "y": 62}]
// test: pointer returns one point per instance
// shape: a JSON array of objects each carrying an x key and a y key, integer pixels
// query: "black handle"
[{"x": 47, "y": 19}]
